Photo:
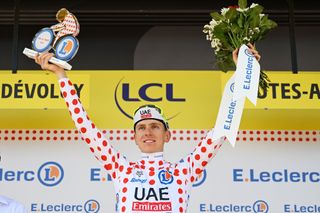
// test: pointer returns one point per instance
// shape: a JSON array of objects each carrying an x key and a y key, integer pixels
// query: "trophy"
[{"x": 59, "y": 39}]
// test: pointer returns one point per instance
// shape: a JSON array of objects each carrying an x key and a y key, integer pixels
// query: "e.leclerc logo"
[
  {"x": 258, "y": 206},
  {"x": 165, "y": 177},
  {"x": 49, "y": 174},
  {"x": 275, "y": 176},
  {"x": 90, "y": 206}
]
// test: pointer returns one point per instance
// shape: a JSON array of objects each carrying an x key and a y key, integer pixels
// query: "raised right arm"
[{"x": 111, "y": 159}]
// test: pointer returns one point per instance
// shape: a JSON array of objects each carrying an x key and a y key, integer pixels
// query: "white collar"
[{"x": 152, "y": 156}]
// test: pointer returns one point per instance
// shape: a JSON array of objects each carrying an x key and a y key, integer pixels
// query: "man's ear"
[{"x": 167, "y": 136}]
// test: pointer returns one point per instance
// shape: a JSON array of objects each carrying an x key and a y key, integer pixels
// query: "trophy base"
[{"x": 31, "y": 54}]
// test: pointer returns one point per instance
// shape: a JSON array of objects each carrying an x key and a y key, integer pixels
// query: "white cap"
[{"x": 149, "y": 112}]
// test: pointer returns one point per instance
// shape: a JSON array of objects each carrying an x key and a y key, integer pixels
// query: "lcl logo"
[{"x": 141, "y": 94}]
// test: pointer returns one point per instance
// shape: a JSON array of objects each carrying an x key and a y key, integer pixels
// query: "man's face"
[{"x": 150, "y": 136}]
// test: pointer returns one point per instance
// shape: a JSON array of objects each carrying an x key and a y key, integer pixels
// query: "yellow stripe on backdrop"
[{"x": 190, "y": 99}]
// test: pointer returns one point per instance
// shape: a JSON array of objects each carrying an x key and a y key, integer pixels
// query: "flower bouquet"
[{"x": 234, "y": 26}]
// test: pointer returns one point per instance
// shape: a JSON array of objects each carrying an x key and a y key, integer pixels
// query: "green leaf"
[
  {"x": 272, "y": 24},
  {"x": 240, "y": 21},
  {"x": 242, "y": 4},
  {"x": 216, "y": 16},
  {"x": 255, "y": 21},
  {"x": 255, "y": 11},
  {"x": 231, "y": 14}
]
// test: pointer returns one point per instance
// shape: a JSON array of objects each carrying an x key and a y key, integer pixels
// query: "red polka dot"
[
  {"x": 83, "y": 130},
  {"x": 69, "y": 82},
  {"x": 180, "y": 200},
  {"x": 125, "y": 180},
  {"x": 197, "y": 157},
  {"x": 209, "y": 141},
  {"x": 124, "y": 199},
  {"x": 152, "y": 182},
  {"x": 114, "y": 175},
  {"x": 74, "y": 101},
  {"x": 108, "y": 166},
  {"x": 99, "y": 135},
  {"x": 64, "y": 94},
  {"x": 204, "y": 163},
  {"x": 123, "y": 209},
  {"x": 180, "y": 191},
  {"x": 76, "y": 110},
  {"x": 103, "y": 157},
  {"x": 104, "y": 143},
  {"x": 203, "y": 149},
  {"x": 179, "y": 181},
  {"x": 88, "y": 141},
  {"x": 124, "y": 190},
  {"x": 176, "y": 172},
  {"x": 151, "y": 173},
  {"x": 185, "y": 171},
  {"x": 73, "y": 92},
  {"x": 62, "y": 84},
  {"x": 181, "y": 209},
  {"x": 198, "y": 171}
]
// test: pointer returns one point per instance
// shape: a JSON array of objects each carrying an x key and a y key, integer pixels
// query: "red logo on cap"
[{"x": 146, "y": 116}]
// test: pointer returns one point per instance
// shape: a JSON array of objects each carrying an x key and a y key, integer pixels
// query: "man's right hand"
[{"x": 43, "y": 61}]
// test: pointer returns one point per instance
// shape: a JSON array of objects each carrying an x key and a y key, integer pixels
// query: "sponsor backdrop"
[{"x": 273, "y": 168}]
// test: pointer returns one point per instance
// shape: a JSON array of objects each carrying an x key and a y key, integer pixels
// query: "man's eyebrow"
[
  {"x": 155, "y": 123},
  {"x": 140, "y": 125}
]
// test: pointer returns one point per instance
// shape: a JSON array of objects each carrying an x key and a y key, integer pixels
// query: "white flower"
[
  {"x": 261, "y": 15},
  {"x": 256, "y": 29},
  {"x": 215, "y": 43},
  {"x": 206, "y": 28},
  {"x": 214, "y": 23},
  {"x": 224, "y": 11},
  {"x": 246, "y": 39},
  {"x": 242, "y": 10},
  {"x": 253, "y": 5}
]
